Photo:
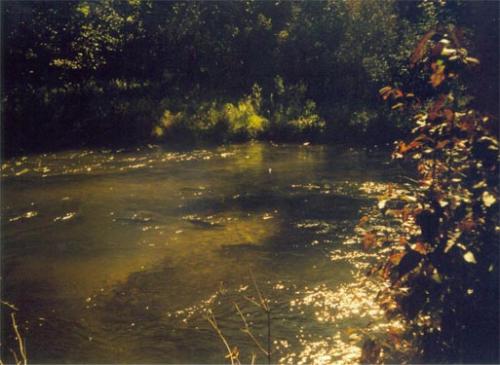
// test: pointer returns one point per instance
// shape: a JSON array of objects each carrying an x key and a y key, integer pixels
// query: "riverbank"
[{"x": 110, "y": 117}]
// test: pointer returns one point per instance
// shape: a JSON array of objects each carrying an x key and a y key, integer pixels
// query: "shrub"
[
  {"x": 444, "y": 270},
  {"x": 215, "y": 120}
]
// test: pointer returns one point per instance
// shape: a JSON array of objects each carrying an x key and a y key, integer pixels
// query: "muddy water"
[{"x": 118, "y": 256}]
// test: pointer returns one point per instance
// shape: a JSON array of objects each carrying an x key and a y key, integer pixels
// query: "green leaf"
[{"x": 84, "y": 9}]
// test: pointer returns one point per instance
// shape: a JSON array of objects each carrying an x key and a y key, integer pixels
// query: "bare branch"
[
  {"x": 230, "y": 354},
  {"x": 263, "y": 302},
  {"x": 253, "y": 301},
  {"x": 20, "y": 341},
  {"x": 248, "y": 331},
  {"x": 16, "y": 359},
  {"x": 11, "y": 306}
]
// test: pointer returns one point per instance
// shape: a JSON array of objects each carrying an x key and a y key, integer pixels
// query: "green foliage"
[
  {"x": 240, "y": 120},
  {"x": 308, "y": 123},
  {"x": 291, "y": 114},
  {"x": 81, "y": 54}
]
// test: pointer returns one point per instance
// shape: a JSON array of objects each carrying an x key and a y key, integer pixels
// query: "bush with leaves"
[
  {"x": 444, "y": 269},
  {"x": 215, "y": 121}
]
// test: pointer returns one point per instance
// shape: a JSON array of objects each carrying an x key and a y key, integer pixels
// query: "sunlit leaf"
[
  {"x": 395, "y": 259},
  {"x": 384, "y": 90},
  {"x": 447, "y": 52},
  {"x": 436, "y": 277},
  {"x": 490, "y": 140},
  {"x": 438, "y": 76},
  {"x": 472, "y": 60},
  {"x": 420, "y": 247},
  {"x": 479, "y": 185},
  {"x": 488, "y": 199},
  {"x": 84, "y": 9},
  {"x": 470, "y": 258},
  {"x": 397, "y": 93},
  {"x": 363, "y": 220}
]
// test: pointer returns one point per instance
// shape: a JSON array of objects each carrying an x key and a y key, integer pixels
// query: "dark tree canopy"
[{"x": 114, "y": 72}]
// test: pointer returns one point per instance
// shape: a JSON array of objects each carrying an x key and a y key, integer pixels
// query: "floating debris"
[
  {"x": 198, "y": 221},
  {"x": 27, "y": 215},
  {"x": 67, "y": 216}
]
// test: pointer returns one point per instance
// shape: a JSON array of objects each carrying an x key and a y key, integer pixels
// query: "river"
[{"x": 118, "y": 256}]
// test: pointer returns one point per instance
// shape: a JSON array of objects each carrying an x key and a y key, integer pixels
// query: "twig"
[
  {"x": 11, "y": 306},
  {"x": 249, "y": 332},
  {"x": 268, "y": 312},
  {"x": 16, "y": 359},
  {"x": 253, "y": 301},
  {"x": 410, "y": 179},
  {"x": 263, "y": 302},
  {"x": 264, "y": 305},
  {"x": 252, "y": 362},
  {"x": 20, "y": 341},
  {"x": 230, "y": 353}
]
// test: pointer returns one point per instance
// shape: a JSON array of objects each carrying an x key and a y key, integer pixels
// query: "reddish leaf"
[
  {"x": 467, "y": 123},
  {"x": 369, "y": 240},
  {"x": 397, "y": 93},
  {"x": 441, "y": 144},
  {"x": 421, "y": 248},
  {"x": 421, "y": 48},
  {"x": 436, "y": 50},
  {"x": 449, "y": 114},
  {"x": 467, "y": 224},
  {"x": 406, "y": 213},
  {"x": 438, "y": 76},
  {"x": 389, "y": 189},
  {"x": 457, "y": 36},
  {"x": 434, "y": 111},
  {"x": 403, "y": 148},
  {"x": 385, "y": 92},
  {"x": 363, "y": 220},
  {"x": 395, "y": 259}
]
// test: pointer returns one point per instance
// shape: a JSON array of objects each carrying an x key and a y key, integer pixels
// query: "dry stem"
[{"x": 232, "y": 355}]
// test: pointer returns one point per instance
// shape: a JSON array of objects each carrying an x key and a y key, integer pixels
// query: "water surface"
[{"x": 117, "y": 256}]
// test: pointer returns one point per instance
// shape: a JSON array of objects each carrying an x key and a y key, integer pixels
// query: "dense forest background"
[{"x": 121, "y": 73}]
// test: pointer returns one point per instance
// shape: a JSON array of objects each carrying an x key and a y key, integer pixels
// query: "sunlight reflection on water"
[{"x": 132, "y": 248}]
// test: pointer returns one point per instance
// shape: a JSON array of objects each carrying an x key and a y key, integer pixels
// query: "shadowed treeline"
[{"x": 129, "y": 72}]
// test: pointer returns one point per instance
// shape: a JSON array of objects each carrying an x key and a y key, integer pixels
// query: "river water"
[{"x": 119, "y": 256}]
